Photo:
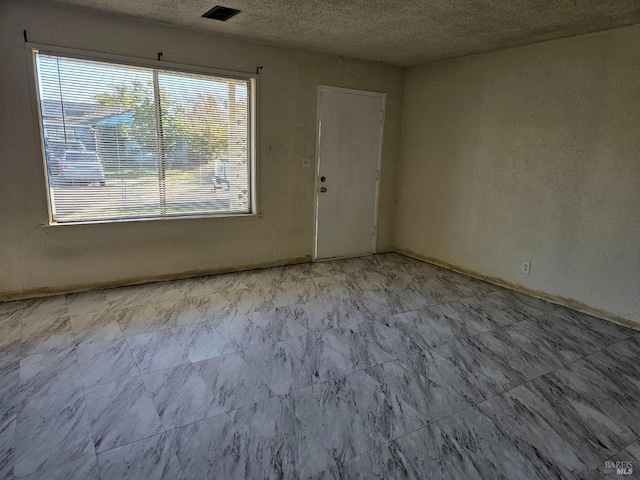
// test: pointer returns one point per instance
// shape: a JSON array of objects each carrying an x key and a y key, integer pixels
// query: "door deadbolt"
[{"x": 323, "y": 179}]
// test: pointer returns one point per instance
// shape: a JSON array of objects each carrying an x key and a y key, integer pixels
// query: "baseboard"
[
  {"x": 47, "y": 292},
  {"x": 564, "y": 301}
]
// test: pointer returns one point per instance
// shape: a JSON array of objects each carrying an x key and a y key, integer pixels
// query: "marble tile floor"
[{"x": 374, "y": 367}]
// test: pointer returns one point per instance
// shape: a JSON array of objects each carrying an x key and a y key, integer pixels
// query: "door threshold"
[{"x": 358, "y": 255}]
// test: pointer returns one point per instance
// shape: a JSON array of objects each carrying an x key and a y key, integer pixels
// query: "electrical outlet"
[
  {"x": 526, "y": 267},
  {"x": 306, "y": 162}
]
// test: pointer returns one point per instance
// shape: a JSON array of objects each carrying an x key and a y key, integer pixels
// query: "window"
[{"x": 135, "y": 142}]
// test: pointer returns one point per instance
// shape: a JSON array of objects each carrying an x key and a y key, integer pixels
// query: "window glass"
[{"x": 125, "y": 142}]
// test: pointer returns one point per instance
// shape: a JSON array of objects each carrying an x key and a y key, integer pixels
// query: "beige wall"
[
  {"x": 530, "y": 154},
  {"x": 33, "y": 257}
]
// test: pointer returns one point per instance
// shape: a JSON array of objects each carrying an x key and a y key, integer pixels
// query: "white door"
[{"x": 350, "y": 126}]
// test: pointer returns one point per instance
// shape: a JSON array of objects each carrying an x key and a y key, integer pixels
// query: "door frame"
[{"x": 316, "y": 183}]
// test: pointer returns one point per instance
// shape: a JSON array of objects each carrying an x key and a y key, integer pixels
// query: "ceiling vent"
[{"x": 221, "y": 13}]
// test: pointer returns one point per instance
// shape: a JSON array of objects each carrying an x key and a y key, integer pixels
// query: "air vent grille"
[{"x": 221, "y": 13}]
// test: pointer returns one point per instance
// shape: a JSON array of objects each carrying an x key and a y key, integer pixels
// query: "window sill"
[{"x": 246, "y": 216}]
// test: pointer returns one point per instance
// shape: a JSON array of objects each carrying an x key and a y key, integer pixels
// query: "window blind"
[{"x": 127, "y": 142}]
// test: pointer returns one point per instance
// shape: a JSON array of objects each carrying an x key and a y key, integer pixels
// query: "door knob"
[{"x": 323, "y": 189}]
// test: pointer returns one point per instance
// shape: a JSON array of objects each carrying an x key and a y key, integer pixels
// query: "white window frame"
[{"x": 34, "y": 48}]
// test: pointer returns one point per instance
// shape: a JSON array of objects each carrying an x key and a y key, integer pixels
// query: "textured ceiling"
[{"x": 403, "y": 33}]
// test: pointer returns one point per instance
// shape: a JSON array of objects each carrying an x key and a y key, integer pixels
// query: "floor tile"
[
  {"x": 121, "y": 412},
  {"x": 105, "y": 362},
  {"x": 123, "y": 296},
  {"x": 181, "y": 396},
  {"x": 592, "y": 433},
  {"x": 368, "y": 278},
  {"x": 232, "y": 381},
  {"x": 604, "y": 384},
  {"x": 197, "y": 287},
  {"x": 59, "y": 337},
  {"x": 260, "y": 328},
  {"x": 351, "y": 344},
  {"x": 515, "y": 414},
  {"x": 243, "y": 302},
  {"x": 39, "y": 309},
  {"x": 411, "y": 299},
  {"x": 8, "y": 309},
  {"x": 293, "y": 273},
  {"x": 502, "y": 358},
  {"x": 156, "y": 351},
  {"x": 51, "y": 430},
  {"x": 326, "y": 268},
  {"x": 322, "y": 314},
  {"x": 521, "y": 306},
  {"x": 390, "y": 338},
  {"x": 11, "y": 348},
  {"x": 593, "y": 333},
  {"x": 49, "y": 373},
  {"x": 432, "y": 289},
  {"x": 94, "y": 326},
  {"x": 7, "y": 445},
  {"x": 46, "y": 326},
  {"x": 216, "y": 447},
  {"x": 477, "y": 439},
  {"x": 82, "y": 468},
  {"x": 201, "y": 341},
  {"x": 151, "y": 458},
  {"x": 469, "y": 316},
  {"x": 466, "y": 446},
  {"x": 361, "y": 411},
  {"x": 526, "y": 353},
  {"x": 141, "y": 294},
  {"x": 372, "y": 367},
  {"x": 293, "y": 292},
  {"x": 178, "y": 312},
  {"x": 333, "y": 287},
  {"x": 9, "y": 388},
  {"x": 462, "y": 376},
  {"x": 140, "y": 318},
  {"x": 567, "y": 343},
  {"x": 433, "y": 326},
  {"x": 497, "y": 308},
  {"x": 282, "y": 446},
  {"x": 86, "y": 303},
  {"x": 383, "y": 302},
  {"x": 230, "y": 282},
  {"x": 299, "y": 362},
  {"x": 213, "y": 307}
]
